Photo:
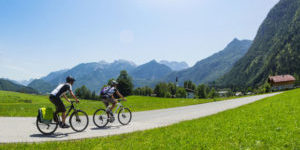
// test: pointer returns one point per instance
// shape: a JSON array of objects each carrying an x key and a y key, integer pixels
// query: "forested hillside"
[
  {"x": 215, "y": 66},
  {"x": 6, "y": 85},
  {"x": 275, "y": 50}
]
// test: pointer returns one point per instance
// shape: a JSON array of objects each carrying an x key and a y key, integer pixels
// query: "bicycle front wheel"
[
  {"x": 124, "y": 116},
  {"x": 46, "y": 128},
  {"x": 100, "y": 118},
  {"x": 79, "y": 120}
]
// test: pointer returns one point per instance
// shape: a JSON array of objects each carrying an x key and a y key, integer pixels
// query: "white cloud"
[{"x": 126, "y": 36}]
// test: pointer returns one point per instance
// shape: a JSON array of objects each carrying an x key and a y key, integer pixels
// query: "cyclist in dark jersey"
[{"x": 59, "y": 91}]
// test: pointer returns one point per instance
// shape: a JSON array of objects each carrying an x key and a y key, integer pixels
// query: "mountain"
[
  {"x": 94, "y": 75},
  {"x": 7, "y": 85},
  {"x": 174, "y": 65},
  {"x": 149, "y": 74},
  {"x": 53, "y": 75},
  {"x": 213, "y": 67},
  {"x": 275, "y": 49},
  {"x": 150, "y": 71},
  {"x": 20, "y": 82},
  {"x": 41, "y": 86}
]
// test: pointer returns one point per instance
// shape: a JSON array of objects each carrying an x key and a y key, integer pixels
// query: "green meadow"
[
  {"x": 271, "y": 123},
  {"x": 18, "y": 104}
]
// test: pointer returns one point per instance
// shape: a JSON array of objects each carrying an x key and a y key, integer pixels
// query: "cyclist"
[
  {"x": 55, "y": 95},
  {"x": 107, "y": 94}
]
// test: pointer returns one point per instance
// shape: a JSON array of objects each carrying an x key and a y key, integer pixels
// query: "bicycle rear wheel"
[
  {"x": 79, "y": 120},
  {"x": 124, "y": 116},
  {"x": 100, "y": 118},
  {"x": 46, "y": 129}
]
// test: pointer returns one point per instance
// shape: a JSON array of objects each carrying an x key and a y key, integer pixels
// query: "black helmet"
[
  {"x": 114, "y": 82},
  {"x": 70, "y": 79}
]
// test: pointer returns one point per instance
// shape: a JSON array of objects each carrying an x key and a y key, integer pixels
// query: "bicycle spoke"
[
  {"x": 46, "y": 128},
  {"x": 100, "y": 118},
  {"x": 79, "y": 121},
  {"x": 124, "y": 116}
]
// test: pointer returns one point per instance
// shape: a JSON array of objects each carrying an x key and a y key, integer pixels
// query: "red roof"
[{"x": 281, "y": 78}]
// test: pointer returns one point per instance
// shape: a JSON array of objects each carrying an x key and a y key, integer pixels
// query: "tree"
[
  {"x": 125, "y": 83},
  {"x": 249, "y": 89},
  {"x": 201, "y": 91},
  {"x": 230, "y": 93},
  {"x": 78, "y": 93},
  {"x": 148, "y": 91},
  {"x": 94, "y": 96},
  {"x": 297, "y": 77},
  {"x": 145, "y": 91},
  {"x": 213, "y": 94},
  {"x": 267, "y": 88},
  {"x": 189, "y": 85},
  {"x": 172, "y": 89},
  {"x": 83, "y": 92},
  {"x": 161, "y": 89},
  {"x": 181, "y": 93}
]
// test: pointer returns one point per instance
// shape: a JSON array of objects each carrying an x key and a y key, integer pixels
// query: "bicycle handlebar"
[
  {"x": 72, "y": 102},
  {"x": 119, "y": 100}
]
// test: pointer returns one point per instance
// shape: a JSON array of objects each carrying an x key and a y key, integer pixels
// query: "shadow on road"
[
  {"x": 54, "y": 135},
  {"x": 107, "y": 127}
]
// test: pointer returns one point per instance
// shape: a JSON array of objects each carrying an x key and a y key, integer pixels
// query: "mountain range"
[
  {"x": 96, "y": 74},
  {"x": 275, "y": 49},
  {"x": 215, "y": 66},
  {"x": 174, "y": 65}
]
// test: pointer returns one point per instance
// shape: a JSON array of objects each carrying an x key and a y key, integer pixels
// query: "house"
[
  {"x": 282, "y": 82},
  {"x": 238, "y": 94},
  {"x": 223, "y": 93},
  {"x": 249, "y": 93}
]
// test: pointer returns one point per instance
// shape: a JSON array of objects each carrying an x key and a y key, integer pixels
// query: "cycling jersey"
[
  {"x": 61, "y": 89},
  {"x": 111, "y": 91}
]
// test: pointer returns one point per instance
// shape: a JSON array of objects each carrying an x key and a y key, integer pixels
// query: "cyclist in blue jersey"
[{"x": 107, "y": 94}]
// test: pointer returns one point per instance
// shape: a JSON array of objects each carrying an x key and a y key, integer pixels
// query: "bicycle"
[
  {"x": 77, "y": 119},
  {"x": 101, "y": 118}
]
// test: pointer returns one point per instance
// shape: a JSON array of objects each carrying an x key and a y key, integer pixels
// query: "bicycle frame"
[
  {"x": 119, "y": 106},
  {"x": 71, "y": 107}
]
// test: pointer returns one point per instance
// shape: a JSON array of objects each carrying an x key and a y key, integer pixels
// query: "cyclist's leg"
[
  {"x": 63, "y": 117},
  {"x": 55, "y": 114},
  {"x": 106, "y": 103},
  {"x": 61, "y": 108},
  {"x": 113, "y": 102}
]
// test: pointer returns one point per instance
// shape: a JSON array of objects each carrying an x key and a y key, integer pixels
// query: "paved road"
[{"x": 23, "y": 129}]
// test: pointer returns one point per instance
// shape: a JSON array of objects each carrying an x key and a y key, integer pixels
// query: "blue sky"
[{"x": 39, "y": 36}]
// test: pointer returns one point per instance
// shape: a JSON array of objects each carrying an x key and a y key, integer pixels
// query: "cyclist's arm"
[
  {"x": 71, "y": 92},
  {"x": 120, "y": 95},
  {"x": 66, "y": 98}
]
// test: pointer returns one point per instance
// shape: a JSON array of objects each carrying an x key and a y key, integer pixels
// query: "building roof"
[
  {"x": 281, "y": 78},
  {"x": 189, "y": 90}
]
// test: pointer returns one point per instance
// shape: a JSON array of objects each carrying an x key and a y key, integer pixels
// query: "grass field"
[
  {"x": 272, "y": 123},
  {"x": 19, "y": 104}
]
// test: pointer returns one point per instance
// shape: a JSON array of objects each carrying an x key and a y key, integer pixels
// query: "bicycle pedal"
[{"x": 111, "y": 120}]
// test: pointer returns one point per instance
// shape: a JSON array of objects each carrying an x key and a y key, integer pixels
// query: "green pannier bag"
[{"x": 45, "y": 115}]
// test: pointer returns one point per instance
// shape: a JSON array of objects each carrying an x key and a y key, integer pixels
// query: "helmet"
[
  {"x": 114, "y": 82},
  {"x": 70, "y": 79}
]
